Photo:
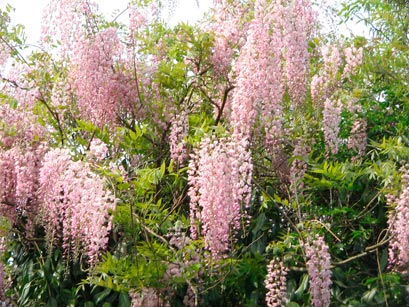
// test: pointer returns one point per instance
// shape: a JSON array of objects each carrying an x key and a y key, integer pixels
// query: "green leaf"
[
  {"x": 170, "y": 167},
  {"x": 163, "y": 169},
  {"x": 124, "y": 300},
  {"x": 369, "y": 295},
  {"x": 99, "y": 297},
  {"x": 52, "y": 303},
  {"x": 303, "y": 286}
]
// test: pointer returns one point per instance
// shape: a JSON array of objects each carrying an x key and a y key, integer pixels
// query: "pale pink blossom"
[
  {"x": 353, "y": 58},
  {"x": 4, "y": 53},
  {"x": 275, "y": 282},
  {"x": 220, "y": 187},
  {"x": 3, "y": 286},
  {"x": 75, "y": 205},
  {"x": 398, "y": 225},
  {"x": 227, "y": 26},
  {"x": 103, "y": 91},
  {"x": 297, "y": 23},
  {"x": 326, "y": 82},
  {"x": 98, "y": 150},
  {"x": 177, "y": 138},
  {"x": 319, "y": 271},
  {"x": 7, "y": 179},
  {"x": 65, "y": 21},
  {"x": 19, "y": 126},
  {"x": 338, "y": 64},
  {"x": 331, "y": 125},
  {"x": 357, "y": 139},
  {"x": 148, "y": 297},
  {"x": 22, "y": 149},
  {"x": 258, "y": 89},
  {"x": 299, "y": 165}
]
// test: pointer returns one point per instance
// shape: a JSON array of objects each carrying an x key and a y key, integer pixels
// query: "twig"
[{"x": 369, "y": 249}]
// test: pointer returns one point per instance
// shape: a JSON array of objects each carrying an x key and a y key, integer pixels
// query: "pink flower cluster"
[
  {"x": 399, "y": 227},
  {"x": 74, "y": 203},
  {"x": 148, "y": 297},
  {"x": 137, "y": 19},
  {"x": 330, "y": 124},
  {"x": 299, "y": 165},
  {"x": 65, "y": 20},
  {"x": 353, "y": 58},
  {"x": 18, "y": 127},
  {"x": 178, "y": 132},
  {"x": 7, "y": 181},
  {"x": 4, "y": 53},
  {"x": 21, "y": 152},
  {"x": 228, "y": 34},
  {"x": 338, "y": 66},
  {"x": 273, "y": 58},
  {"x": 220, "y": 186},
  {"x": 103, "y": 91},
  {"x": 3, "y": 282},
  {"x": 3, "y": 286},
  {"x": 98, "y": 150},
  {"x": 19, "y": 183},
  {"x": 21, "y": 86},
  {"x": 319, "y": 271},
  {"x": 325, "y": 88},
  {"x": 258, "y": 83},
  {"x": 297, "y": 22},
  {"x": 357, "y": 138},
  {"x": 70, "y": 200},
  {"x": 276, "y": 283},
  {"x": 325, "y": 82}
]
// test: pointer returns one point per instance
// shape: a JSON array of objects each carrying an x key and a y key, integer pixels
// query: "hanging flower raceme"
[
  {"x": 259, "y": 88},
  {"x": 3, "y": 282},
  {"x": 65, "y": 21},
  {"x": 228, "y": 34},
  {"x": 353, "y": 58},
  {"x": 299, "y": 166},
  {"x": 330, "y": 124},
  {"x": 7, "y": 181},
  {"x": 22, "y": 148},
  {"x": 319, "y": 271},
  {"x": 103, "y": 91},
  {"x": 219, "y": 179},
  {"x": 338, "y": 65},
  {"x": 276, "y": 283},
  {"x": 19, "y": 127},
  {"x": 399, "y": 227},
  {"x": 296, "y": 23},
  {"x": 357, "y": 140},
  {"x": 274, "y": 58},
  {"x": 325, "y": 83},
  {"x": 178, "y": 131},
  {"x": 4, "y": 54},
  {"x": 75, "y": 205}
]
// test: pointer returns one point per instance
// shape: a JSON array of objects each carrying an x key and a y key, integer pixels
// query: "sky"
[{"x": 29, "y": 12}]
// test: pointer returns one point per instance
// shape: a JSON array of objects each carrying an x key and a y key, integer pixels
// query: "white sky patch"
[
  {"x": 329, "y": 21},
  {"x": 29, "y": 12}
]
